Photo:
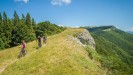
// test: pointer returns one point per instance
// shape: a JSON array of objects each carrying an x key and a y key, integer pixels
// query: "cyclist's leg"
[{"x": 20, "y": 54}]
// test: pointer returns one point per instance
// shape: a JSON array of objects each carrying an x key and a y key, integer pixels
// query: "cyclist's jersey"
[{"x": 23, "y": 45}]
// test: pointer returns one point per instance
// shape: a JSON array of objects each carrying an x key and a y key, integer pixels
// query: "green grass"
[
  {"x": 61, "y": 56},
  {"x": 115, "y": 48}
]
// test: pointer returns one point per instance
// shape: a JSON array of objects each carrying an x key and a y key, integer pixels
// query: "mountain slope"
[
  {"x": 61, "y": 56},
  {"x": 115, "y": 47}
]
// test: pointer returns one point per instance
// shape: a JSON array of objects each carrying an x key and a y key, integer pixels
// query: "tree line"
[{"x": 14, "y": 30}]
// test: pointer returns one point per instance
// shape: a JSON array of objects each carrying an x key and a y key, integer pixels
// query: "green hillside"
[
  {"x": 61, "y": 56},
  {"x": 64, "y": 55},
  {"x": 115, "y": 47}
]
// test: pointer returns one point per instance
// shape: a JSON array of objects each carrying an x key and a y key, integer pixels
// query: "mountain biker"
[
  {"x": 44, "y": 39},
  {"x": 39, "y": 41},
  {"x": 23, "y": 49}
]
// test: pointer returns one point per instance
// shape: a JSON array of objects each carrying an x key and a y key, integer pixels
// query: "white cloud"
[
  {"x": 25, "y": 1},
  {"x": 60, "y": 2}
]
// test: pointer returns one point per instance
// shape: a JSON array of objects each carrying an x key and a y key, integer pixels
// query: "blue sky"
[{"x": 75, "y": 12}]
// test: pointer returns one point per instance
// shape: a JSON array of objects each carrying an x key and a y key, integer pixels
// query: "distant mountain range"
[{"x": 131, "y": 32}]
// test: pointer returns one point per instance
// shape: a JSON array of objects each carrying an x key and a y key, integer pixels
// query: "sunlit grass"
[{"x": 61, "y": 56}]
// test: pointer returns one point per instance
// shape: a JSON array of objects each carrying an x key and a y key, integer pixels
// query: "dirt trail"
[{"x": 5, "y": 65}]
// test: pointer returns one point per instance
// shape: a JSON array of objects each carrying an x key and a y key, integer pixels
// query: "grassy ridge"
[
  {"x": 61, "y": 56},
  {"x": 115, "y": 48}
]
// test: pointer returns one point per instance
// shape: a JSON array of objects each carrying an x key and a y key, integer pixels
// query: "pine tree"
[
  {"x": 30, "y": 27},
  {"x": 5, "y": 18},
  {"x": 24, "y": 29},
  {"x": 6, "y": 30},
  {"x": 1, "y": 26},
  {"x": 0, "y": 19},
  {"x": 16, "y": 18},
  {"x": 15, "y": 38},
  {"x": 28, "y": 20},
  {"x": 23, "y": 19},
  {"x": 33, "y": 23},
  {"x": 1, "y": 33}
]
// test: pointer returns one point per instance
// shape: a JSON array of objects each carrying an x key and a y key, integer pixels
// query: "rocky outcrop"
[{"x": 84, "y": 38}]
